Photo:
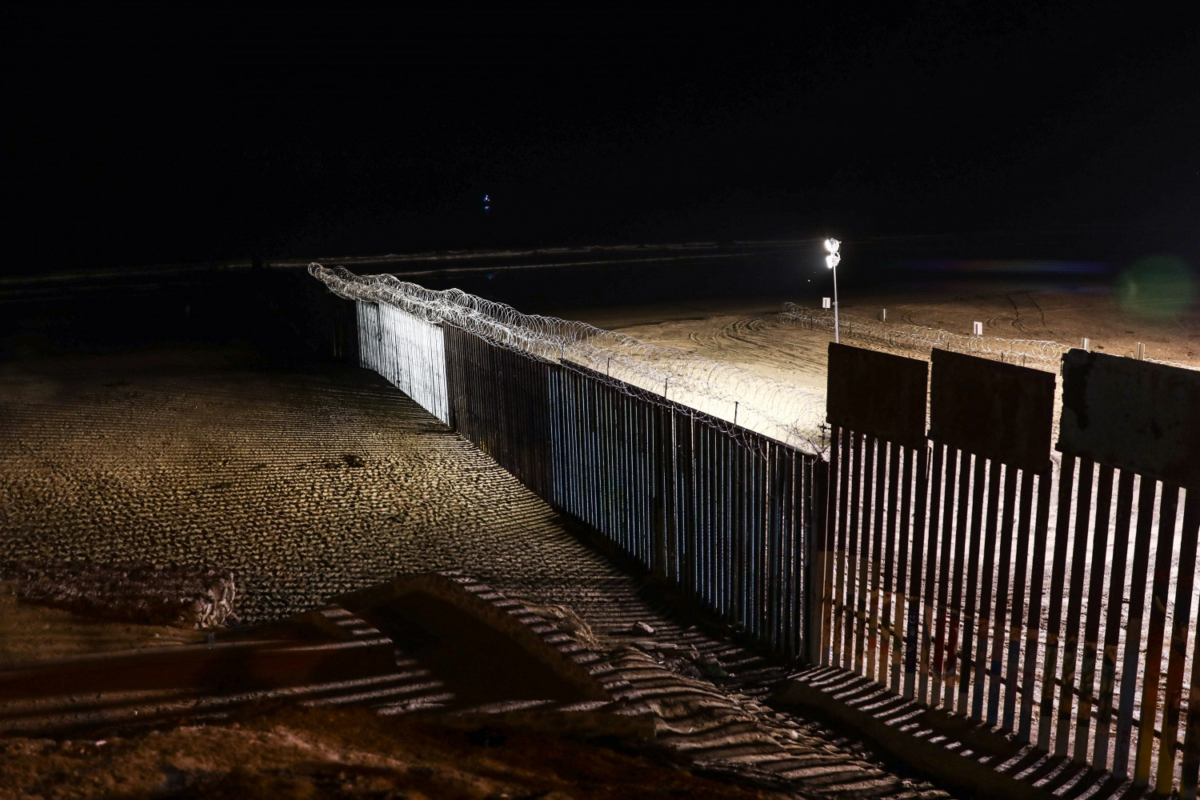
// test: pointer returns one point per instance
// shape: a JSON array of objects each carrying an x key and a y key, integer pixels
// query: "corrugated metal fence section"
[
  {"x": 406, "y": 350},
  {"x": 722, "y": 515},
  {"x": 500, "y": 401},
  {"x": 968, "y": 573}
]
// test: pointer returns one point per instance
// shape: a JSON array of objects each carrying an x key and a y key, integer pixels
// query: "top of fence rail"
[
  {"x": 1003, "y": 412},
  {"x": 877, "y": 393},
  {"x": 1132, "y": 415},
  {"x": 723, "y": 393}
]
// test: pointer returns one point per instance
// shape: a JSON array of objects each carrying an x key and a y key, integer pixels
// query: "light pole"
[{"x": 831, "y": 261}]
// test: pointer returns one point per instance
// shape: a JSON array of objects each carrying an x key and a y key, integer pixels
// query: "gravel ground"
[{"x": 307, "y": 485}]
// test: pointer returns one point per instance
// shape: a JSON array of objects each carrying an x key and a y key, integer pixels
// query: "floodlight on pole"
[{"x": 832, "y": 260}]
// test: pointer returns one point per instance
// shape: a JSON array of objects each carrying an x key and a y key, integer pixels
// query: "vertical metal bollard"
[{"x": 816, "y": 551}]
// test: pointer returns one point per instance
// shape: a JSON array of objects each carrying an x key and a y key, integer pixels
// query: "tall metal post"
[
  {"x": 831, "y": 247},
  {"x": 836, "y": 333}
]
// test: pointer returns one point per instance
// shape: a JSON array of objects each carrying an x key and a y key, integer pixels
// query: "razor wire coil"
[
  {"x": 1041, "y": 354},
  {"x": 718, "y": 391}
]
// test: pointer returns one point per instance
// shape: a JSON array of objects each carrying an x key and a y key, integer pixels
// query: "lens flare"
[{"x": 1157, "y": 287}]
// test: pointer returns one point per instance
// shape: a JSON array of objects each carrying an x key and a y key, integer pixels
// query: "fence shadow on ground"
[{"x": 957, "y": 566}]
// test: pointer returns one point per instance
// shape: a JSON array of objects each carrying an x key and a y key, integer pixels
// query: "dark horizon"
[{"x": 173, "y": 136}]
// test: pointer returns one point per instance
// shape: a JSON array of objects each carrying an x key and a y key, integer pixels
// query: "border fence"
[
  {"x": 957, "y": 565},
  {"x": 987, "y": 583},
  {"x": 409, "y": 352},
  {"x": 717, "y": 509}
]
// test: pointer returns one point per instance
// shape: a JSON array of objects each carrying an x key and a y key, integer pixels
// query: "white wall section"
[{"x": 408, "y": 351}]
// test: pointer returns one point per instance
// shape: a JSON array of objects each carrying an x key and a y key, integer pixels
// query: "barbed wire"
[
  {"x": 1037, "y": 353},
  {"x": 730, "y": 397}
]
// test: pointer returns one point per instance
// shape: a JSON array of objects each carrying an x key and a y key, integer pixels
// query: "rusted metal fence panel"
[
  {"x": 1002, "y": 412},
  {"x": 1054, "y": 602},
  {"x": 985, "y": 528},
  {"x": 1141, "y": 423},
  {"x": 1132, "y": 415},
  {"x": 870, "y": 601},
  {"x": 877, "y": 392}
]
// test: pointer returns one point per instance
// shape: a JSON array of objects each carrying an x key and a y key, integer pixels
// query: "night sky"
[{"x": 172, "y": 133}]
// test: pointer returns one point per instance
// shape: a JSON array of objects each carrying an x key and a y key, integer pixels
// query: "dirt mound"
[
  {"x": 567, "y": 620},
  {"x": 148, "y": 594}
]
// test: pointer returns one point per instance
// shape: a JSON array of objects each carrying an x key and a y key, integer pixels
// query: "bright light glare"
[
  {"x": 832, "y": 260},
  {"x": 832, "y": 245}
]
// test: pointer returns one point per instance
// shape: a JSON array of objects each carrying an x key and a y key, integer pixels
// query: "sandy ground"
[
  {"x": 749, "y": 332},
  {"x": 753, "y": 335},
  {"x": 309, "y": 485}
]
